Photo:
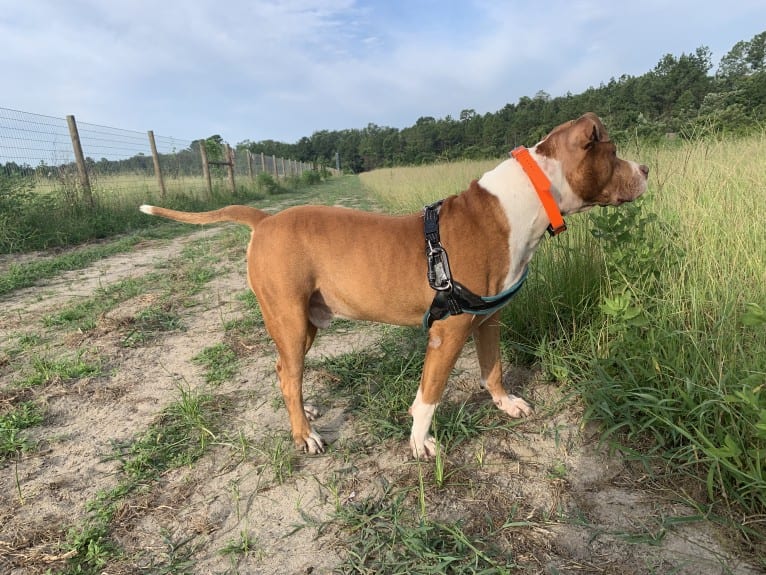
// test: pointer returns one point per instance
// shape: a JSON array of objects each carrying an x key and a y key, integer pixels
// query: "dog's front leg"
[
  {"x": 486, "y": 335},
  {"x": 445, "y": 340}
]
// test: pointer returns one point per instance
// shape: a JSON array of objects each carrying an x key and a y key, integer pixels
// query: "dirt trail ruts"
[{"x": 587, "y": 510}]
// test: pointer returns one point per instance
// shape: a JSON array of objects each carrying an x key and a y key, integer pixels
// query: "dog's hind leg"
[
  {"x": 486, "y": 335},
  {"x": 293, "y": 336},
  {"x": 312, "y": 412}
]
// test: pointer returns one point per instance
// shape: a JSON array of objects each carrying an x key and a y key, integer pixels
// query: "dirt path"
[{"x": 575, "y": 508}]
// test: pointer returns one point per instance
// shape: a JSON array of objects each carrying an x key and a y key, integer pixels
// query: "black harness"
[{"x": 453, "y": 298}]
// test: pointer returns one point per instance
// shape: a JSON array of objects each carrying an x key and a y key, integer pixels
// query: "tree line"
[{"x": 679, "y": 96}]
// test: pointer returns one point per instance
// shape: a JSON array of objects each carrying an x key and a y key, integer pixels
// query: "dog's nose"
[{"x": 644, "y": 170}]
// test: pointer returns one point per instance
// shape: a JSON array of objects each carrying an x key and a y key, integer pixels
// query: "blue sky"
[{"x": 281, "y": 70}]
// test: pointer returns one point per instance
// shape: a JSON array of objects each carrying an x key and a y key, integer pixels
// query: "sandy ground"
[{"x": 583, "y": 509}]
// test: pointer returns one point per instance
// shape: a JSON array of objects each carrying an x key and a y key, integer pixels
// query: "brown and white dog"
[{"x": 308, "y": 264}]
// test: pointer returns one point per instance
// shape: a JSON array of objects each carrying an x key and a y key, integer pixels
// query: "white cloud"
[{"x": 282, "y": 69}]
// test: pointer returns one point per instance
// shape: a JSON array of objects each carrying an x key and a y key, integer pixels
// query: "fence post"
[
  {"x": 284, "y": 172},
  {"x": 156, "y": 158},
  {"x": 263, "y": 163},
  {"x": 274, "y": 165},
  {"x": 230, "y": 167},
  {"x": 206, "y": 168},
  {"x": 250, "y": 166},
  {"x": 80, "y": 160}
]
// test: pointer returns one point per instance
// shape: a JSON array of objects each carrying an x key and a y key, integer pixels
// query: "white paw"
[
  {"x": 514, "y": 406},
  {"x": 313, "y": 443},
  {"x": 311, "y": 412},
  {"x": 424, "y": 448}
]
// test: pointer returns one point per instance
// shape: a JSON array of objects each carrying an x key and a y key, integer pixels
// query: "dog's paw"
[
  {"x": 425, "y": 448},
  {"x": 311, "y": 412},
  {"x": 313, "y": 444},
  {"x": 514, "y": 406}
]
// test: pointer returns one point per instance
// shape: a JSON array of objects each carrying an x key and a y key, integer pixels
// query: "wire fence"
[{"x": 41, "y": 152}]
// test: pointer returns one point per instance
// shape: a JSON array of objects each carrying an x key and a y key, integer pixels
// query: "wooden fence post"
[
  {"x": 250, "y": 166},
  {"x": 156, "y": 158},
  {"x": 230, "y": 167},
  {"x": 284, "y": 173},
  {"x": 80, "y": 160},
  {"x": 274, "y": 165},
  {"x": 206, "y": 168},
  {"x": 263, "y": 162}
]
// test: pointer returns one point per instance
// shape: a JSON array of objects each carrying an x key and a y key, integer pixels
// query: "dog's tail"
[{"x": 240, "y": 214}]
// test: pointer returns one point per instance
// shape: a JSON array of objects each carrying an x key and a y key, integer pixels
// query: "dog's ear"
[{"x": 591, "y": 131}]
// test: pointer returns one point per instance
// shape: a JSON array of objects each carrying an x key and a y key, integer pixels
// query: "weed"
[
  {"x": 246, "y": 544},
  {"x": 151, "y": 322},
  {"x": 12, "y": 424},
  {"x": 219, "y": 361},
  {"x": 280, "y": 458},
  {"x": 46, "y": 370},
  {"x": 84, "y": 314},
  {"x": 178, "y": 556},
  {"x": 387, "y": 536},
  {"x": 380, "y": 383}
]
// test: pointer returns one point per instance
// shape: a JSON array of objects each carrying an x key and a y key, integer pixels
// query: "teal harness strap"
[{"x": 468, "y": 302}]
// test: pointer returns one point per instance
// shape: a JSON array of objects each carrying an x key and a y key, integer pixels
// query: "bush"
[
  {"x": 311, "y": 177},
  {"x": 268, "y": 185}
]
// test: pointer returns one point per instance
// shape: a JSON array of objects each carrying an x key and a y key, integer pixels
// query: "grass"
[
  {"x": 380, "y": 384},
  {"x": 388, "y": 535},
  {"x": 246, "y": 544},
  {"x": 26, "y": 205},
  {"x": 180, "y": 435},
  {"x": 151, "y": 322},
  {"x": 12, "y": 423},
  {"x": 654, "y": 313},
  {"x": 408, "y": 189},
  {"x": 47, "y": 370},
  {"x": 219, "y": 362}
]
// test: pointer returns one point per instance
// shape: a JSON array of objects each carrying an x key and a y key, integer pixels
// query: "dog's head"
[{"x": 589, "y": 164}]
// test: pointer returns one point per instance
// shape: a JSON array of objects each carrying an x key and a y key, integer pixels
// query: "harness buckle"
[{"x": 439, "y": 274}]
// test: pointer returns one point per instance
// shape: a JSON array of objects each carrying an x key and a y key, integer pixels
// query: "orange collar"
[{"x": 543, "y": 188}]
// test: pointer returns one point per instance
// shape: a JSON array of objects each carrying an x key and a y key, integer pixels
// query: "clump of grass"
[
  {"x": 78, "y": 220},
  {"x": 388, "y": 535},
  {"x": 12, "y": 423},
  {"x": 381, "y": 383},
  {"x": 151, "y": 322},
  {"x": 279, "y": 456},
  {"x": 47, "y": 370},
  {"x": 243, "y": 546},
  {"x": 84, "y": 314},
  {"x": 220, "y": 363}
]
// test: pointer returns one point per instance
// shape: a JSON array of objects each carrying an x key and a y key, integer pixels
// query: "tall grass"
[
  {"x": 36, "y": 214},
  {"x": 410, "y": 188},
  {"x": 655, "y": 312}
]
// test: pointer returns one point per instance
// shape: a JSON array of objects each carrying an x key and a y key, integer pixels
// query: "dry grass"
[{"x": 407, "y": 189}]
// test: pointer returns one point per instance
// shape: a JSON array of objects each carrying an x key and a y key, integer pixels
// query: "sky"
[{"x": 281, "y": 70}]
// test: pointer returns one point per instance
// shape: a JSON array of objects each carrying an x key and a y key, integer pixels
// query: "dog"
[{"x": 309, "y": 264}]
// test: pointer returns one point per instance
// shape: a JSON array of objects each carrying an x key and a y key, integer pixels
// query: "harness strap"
[
  {"x": 452, "y": 297},
  {"x": 464, "y": 300}
]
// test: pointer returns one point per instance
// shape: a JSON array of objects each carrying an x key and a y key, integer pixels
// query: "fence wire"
[{"x": 37, "y": 151}]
